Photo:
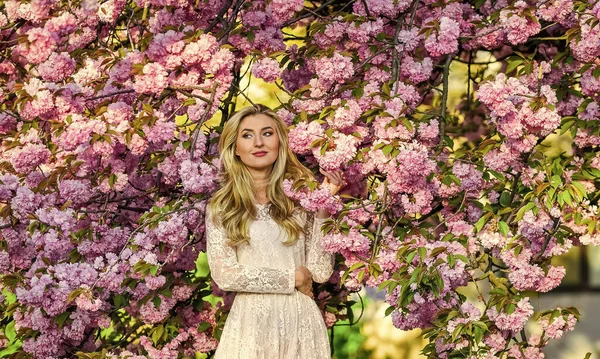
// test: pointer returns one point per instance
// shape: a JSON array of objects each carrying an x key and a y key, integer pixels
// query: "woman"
[{"x": 263, "y": 246}]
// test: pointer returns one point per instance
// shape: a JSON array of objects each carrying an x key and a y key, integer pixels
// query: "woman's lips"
[{"x": 260, "y": 154}]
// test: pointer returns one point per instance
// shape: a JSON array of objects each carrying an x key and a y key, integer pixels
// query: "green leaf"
[
  {"x": 422, "y": 252},
  {"x": 386, "y": 88},
  {"x": 119, "y": 301},
  {"x": 156, "y": 301},
  {"x": 498, "y": 291},
  {"x": 503, "y": 227},
  {"x": 203, "y": 326},
  {"x": 153, "y": 270},
  {"x": 148, "y": 108},
  {"x": 451, "y": 260},
  {"x": 580, "y": 187},
  {"x": 505, "y": 200},
  {"x": 387, "y": 149},
  {"x": 10, "y": 332},
  {"x": 510, "y": 308},
  {"x": 157, "y": 333},
  {"x": 354, "y": 267},
  {"x": 60, "y": 320},
  {"x": 567, "y": 198},
  {"x": 477, "y": 334},
  {"x": 513, "y": 63},
  {"x": 482, "y": 221},
  {"x": 521, "y": 212}
]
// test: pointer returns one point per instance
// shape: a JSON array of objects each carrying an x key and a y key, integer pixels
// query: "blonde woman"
[{"x": 265, "y": 247}]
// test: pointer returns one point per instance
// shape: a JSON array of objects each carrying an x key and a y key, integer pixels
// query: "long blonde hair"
[{"x": 233, "y": 203}]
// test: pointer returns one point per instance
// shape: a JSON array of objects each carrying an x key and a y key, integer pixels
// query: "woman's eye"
[
  {"x": 246, "y": 135},
  {"x": 268, "y": 133}
]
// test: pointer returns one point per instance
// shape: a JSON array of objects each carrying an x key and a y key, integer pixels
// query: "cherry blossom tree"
[{"x": 108, "y": 158}]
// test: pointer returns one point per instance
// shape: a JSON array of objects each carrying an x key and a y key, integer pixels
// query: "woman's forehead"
[{"x": 256, "y": 122}]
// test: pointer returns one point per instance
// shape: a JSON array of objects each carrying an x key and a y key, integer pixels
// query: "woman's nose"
[{"x": 258, "y": 141}]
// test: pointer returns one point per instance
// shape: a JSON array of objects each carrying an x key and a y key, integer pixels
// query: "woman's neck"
[{"x": 260, "y": 187}]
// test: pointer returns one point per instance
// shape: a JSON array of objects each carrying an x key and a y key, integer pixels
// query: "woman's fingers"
[{"x": 334, "y": 180}]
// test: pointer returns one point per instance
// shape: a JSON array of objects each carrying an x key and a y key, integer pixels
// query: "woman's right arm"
[{"x": 232, "y": 276}]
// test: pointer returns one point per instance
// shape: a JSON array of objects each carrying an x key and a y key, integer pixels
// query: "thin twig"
[
  {"x": 308, "y": 14},
  {"x": 110, "y": 94},
  {"x": 203, "y": 118},
  {"x": 444, "y": 98},
  {"x": 218, "y": 17}
]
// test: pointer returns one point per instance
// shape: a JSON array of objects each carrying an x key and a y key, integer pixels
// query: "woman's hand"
[
  {"x": 304, "y": 281},
  {"x": 333, "y": 180}
]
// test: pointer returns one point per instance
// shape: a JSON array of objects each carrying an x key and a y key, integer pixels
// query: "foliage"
[{"x": 107, "y": 162}]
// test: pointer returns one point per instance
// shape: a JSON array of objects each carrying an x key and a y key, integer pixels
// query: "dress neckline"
[{"x": 262, "y": 210}]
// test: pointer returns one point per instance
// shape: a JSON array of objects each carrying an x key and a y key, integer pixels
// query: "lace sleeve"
[
  {"x": 232, "y": 276},
  {"x": 318, "y": 262}
]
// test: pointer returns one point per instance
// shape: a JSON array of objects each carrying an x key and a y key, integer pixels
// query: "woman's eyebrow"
[{"x": 262, "y": 129}]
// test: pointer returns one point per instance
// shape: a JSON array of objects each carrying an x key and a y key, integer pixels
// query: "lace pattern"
[{"x": 269, "y": 317}]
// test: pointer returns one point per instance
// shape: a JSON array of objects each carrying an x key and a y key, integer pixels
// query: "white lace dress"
[{"x": 269, "y": 318}]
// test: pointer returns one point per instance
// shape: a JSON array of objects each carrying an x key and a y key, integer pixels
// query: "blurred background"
[{"x": 374, "y": 336}]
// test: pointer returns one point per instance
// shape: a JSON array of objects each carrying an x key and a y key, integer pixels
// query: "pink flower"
[
  {"x": 517, "y": 25},
  {"x": 526, "y": 277},
  {"x": 266, "y": 69},
  {"x": 495, "y": 341},
  {"x": 62, "y": 25},
  {"x": 41, "y": 45},
  {"x": 166, "y": 48},
  {"x": 57, "y": 68},
  {"x": 25, "y": 159},
  {"x": 7, "y": 123},
  {"x": 340, "y": 150},
  {"x": 153, "y": 79},
  {"x": 388, "y": 8},
  {"x": 334, "y": 69},
  {"x": 515, "y": 321},
  {"x": 345, "y": 115},
  {"x": 86, "y": 303},
  {"x": 161, "y": 131},
  {"x": 428, "y": 132},
  {"x": 585, "y": 47},
  {"x": 445, "y": 40},
  {"x": 590, "y": 85},
  {"x": 353, "y": 242},
  {"x": 302, "y": 136},
  {"x": 552, "y": 279},
  {"x": 556, "y": 11},
  {"x": 5, "y": 265},
  {"x": 489, "y": 239},
  {"x": 410, "y": 39},
  {"x": 110, "y": 10},
  {"x": 198, "y": 177},
  {"x": 296, "y": 78},
  {"x": 283, "y": 10},
  {"x": 154, "y": 283},
  {"x": 75, "y": 191},
  {"x": 152, "y": 313},
  {"x": 254, "y": 18},
  {"x": 415, "y": 71},
  {"x": 471, "y": 179}
]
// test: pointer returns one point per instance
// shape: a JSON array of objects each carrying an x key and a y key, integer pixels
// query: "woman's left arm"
[{"x": 318, "y": 262}]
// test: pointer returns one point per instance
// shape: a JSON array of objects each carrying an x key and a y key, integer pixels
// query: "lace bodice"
[{"x": 265, "y": 265}]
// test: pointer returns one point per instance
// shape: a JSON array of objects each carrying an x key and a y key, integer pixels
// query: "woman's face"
[{"x": 257, "y": 142}]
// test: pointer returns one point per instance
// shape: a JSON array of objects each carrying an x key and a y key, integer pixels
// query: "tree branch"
[{"x": 218, "y": 17}]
